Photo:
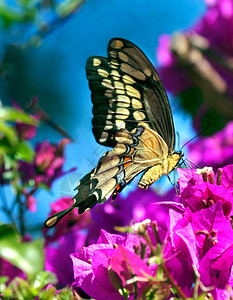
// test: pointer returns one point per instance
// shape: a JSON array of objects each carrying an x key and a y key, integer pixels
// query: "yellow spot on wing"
[
  {"x": 128, "y": 79},
  {"x": 109, "y": 116},
  {"x": 117, "y": 44},
  {"x": 113, "y": 53},
  {"x": 131, "y": 91},
  {"x": 123, "y": 98},
  {"x": 147, "y": 72},
  {"x": 102, "y": 73},
  {"x": 120, "y": 124},
  {"x": 115, "y": 73},
  {"x": 114, "y": 62},
  {"x": 103, "y": 137},
  {"x": 107, "y": 83},
  {"x": 96, "y": 62},
  {"x": 123, "y": 56},
  {"x": 136, "y": 104},
  {"x": 119, "y": 85},
  {"x": 122, "y": 111},
  {"x": 118, "y": 91},
  {"x": 108, "y": 93},
  {"x": 139, "y": 116},
  {"x": 108, "y": 125}
]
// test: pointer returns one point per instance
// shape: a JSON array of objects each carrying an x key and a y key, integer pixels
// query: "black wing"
[{"x": 127, "y": 92}]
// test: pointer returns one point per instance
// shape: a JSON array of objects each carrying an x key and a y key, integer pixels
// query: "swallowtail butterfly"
[{"x": 131, "y": 114}]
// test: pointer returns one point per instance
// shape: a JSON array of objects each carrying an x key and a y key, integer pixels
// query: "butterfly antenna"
[
  {"x": 200, "y": 133},
  {"x": 187, "y": 165},
  {"x": 193, "y": 163},
  {"x": 170, "y": 180}
]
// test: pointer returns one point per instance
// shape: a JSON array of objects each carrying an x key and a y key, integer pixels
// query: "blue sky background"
[{"x": 59, "y": 64}]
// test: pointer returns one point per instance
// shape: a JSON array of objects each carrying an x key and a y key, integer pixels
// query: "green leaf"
[
  {"x": 203, "y": 297},
  {"x": 24, "y": 152},
  {"x": 8, "y": 175},
  {"x": 48, "y": 294},
  {"x": 28, "y": 256},
  {"x": 65, "y": 294},
  {"x": 44, "y": 278},
  {"x": 3, "y": 279},
  {"x": 13, "y": 115},
  {"x": 9, "y": 132}
]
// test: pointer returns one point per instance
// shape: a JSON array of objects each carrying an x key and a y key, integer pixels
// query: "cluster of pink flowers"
[
  {"x": 79, "y": 230},
  {"x": 193, "y": 231}
]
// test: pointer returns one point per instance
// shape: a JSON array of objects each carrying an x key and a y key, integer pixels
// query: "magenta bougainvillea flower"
[
  {"x": 71, "y": 222},
  {"x": 57, "y": 256},
  {"x": 100, "y": 269},
  {"x": 47, "y": 165},
  {"x": 125, "y": 263},
  {"x": 203, "y": 239},
  {"x": 198, "y": 194},
  {"x": 216, "y": 150},
  {"x": 25, "y": 131},
  {"x": 196, "y": 240},
  {"x": 9, "y": 270}
]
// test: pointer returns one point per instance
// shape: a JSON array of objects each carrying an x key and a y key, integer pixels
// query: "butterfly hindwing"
[{"x": 134, "y": 153}]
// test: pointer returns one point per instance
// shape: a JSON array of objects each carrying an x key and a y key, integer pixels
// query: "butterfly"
[{"x": 131, "y": 114}]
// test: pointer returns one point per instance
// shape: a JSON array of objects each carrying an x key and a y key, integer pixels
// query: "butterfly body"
[
  {"x": 131, "y": 114},
  {"x": 156, "y": 172}
]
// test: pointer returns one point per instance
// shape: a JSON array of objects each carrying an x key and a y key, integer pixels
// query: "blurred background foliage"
[{"x": 44, "y": 47}]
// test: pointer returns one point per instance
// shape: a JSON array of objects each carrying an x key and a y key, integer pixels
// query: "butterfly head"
[{"x": 175, "y": 160}]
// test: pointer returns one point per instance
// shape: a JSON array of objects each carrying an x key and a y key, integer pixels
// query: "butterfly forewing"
[{"x": 127, "y": 92}]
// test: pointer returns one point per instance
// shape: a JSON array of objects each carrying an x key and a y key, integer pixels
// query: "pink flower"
[
  {"x": 9, "y": 270},
  {"x": 126, "y": 264},
  {"x": 91, "y": 271},
  {"x": 100, "y": 269},
  {"x": 203, "y": 239},
  {"x": 31, "y": 203},
  {"x": 197, "y": 194},
  {"x": 57, "y": 256},
  {"x": 47, "y": 165},
  {"x": 71, "y": 222},
  {"x": 25, "y": 131}
]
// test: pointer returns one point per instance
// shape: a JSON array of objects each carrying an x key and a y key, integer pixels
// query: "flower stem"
[
  {"x": 163, "y": 265},
  {"x": 21, "y": 214}
]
